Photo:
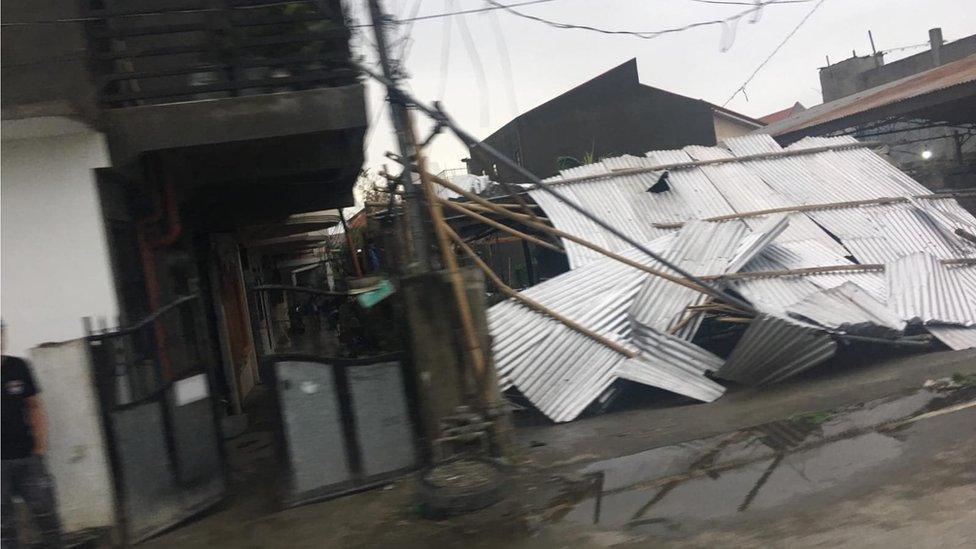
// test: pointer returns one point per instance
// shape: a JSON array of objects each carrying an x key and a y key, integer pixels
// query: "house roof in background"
[
  {"x": 783, "y": 114},
  {"x": 958, "y": 76},
  {"x": 628, "y": 68}
]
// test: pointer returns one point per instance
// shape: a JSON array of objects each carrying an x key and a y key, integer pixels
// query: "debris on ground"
[{"x": 830, "y": 245}]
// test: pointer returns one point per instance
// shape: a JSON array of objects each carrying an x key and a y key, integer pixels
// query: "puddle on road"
[{"x": 667, "y": 490}]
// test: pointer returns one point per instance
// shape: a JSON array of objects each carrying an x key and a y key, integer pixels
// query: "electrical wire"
[
  {"x": 733, "y": 3},
  {"x": 445, "y": 55},
  {"x": 214, "y": 10},
  {"x": 506, "y": 62},
  {"x": 406, "y": 35},
  {"x": 646, "y": 35},
  {"x": 479, "y": 69},
  {"x": 901, "y": 48},
  {"x": 742, "y": 88}
]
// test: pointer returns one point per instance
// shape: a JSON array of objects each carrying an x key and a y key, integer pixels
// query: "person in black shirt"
[{"x": 24, "y": 439}]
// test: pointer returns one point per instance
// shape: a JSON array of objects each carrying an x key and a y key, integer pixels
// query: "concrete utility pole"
[
  {"x": 436, "y": 300},
  {"x": 420, "y": 261}
]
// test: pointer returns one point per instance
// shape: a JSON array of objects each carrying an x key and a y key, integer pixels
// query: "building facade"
[{"x": 152, "y": 151}]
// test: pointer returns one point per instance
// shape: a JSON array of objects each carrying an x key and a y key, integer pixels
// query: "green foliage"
[
  {"x": 964, "y": 380},
  {"x": 812, "y": 418}
]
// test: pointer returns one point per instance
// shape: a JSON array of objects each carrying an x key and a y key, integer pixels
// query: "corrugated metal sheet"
[
  {"x": 620, "y": 201},
  {"x": 700, "y": 248},
  {"x": 754, "y": 243},
  {"x": 747, "y": 192},
  {"x": 665, "y": 359},
  {"x": 774, "y": 348},
  {"x": 562, "y": 371},
  {"x": 959, "y": 337},
  {"x": 955, "y": 337},
  {"x": 922, "y": 290},
  {"x": 850, "y": 309}
]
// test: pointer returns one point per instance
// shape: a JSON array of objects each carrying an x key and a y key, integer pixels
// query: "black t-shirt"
[{"x": 18, "y": 384}]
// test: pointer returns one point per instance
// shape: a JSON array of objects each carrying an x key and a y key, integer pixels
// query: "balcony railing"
[{"x": 164, "y": 51}]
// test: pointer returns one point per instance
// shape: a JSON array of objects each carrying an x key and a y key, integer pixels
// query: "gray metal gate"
[
  {"x": 162, "y": 431},
  {"x": 344, "y": 424}
]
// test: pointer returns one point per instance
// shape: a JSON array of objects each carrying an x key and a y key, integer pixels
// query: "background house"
[
  {"x": 610, "y": 115},
  {"x": 923, "y": 107}
]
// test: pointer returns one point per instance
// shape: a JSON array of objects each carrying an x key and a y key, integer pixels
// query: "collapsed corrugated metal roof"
[
  {"x": 785, "y": 229},
  {"x": 923, "y": 290},
  {"x": 774, "y": 348}
]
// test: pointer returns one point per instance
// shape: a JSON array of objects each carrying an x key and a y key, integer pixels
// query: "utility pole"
[
  {"x": 420, "y": 262},
  {"x": 447, "y": 380}
]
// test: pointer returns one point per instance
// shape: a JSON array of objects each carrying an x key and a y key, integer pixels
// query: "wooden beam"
[
  {"x": 535, "y": 305},
  {"x": 554, "y": 231},
  {"x": 817, "y": 207},
  {"x": 500, "y": 226},
  {"x": 699, "y": 163},
  {"x": 866, "y": 267}
]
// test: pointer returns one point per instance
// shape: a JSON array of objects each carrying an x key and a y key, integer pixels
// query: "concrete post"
[
  {"x": 935, "y": 42},
  {"x": 442, "y": 381}
]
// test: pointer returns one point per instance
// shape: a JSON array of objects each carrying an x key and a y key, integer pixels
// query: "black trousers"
[{"x": 29, "y": 479}]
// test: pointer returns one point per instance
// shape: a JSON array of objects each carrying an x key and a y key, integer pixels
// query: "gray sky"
[{"x": 547, "y": 61}]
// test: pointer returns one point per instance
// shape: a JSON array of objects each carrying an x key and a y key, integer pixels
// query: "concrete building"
[
  {"x": 609, "y": 115},
  {"x": 860, "y": 73},
  {"x": 120, "y": 117},
  {"x": 150, "y": 150}
]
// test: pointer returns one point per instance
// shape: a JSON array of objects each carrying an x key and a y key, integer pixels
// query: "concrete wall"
[
  {"x": 77, "y": 454},
  {"x": 861, "y": 73},
  {"x": 55, "y": 263},
  {"x": 953, "y": 51},
  {"x": 843, "y": 78},
  {"x": 727, "y": 126}
]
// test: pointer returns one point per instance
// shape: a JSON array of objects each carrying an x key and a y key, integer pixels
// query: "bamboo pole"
[
  {"x": 865, "y": 267},
  {"x": 689, "y": 316},
  {"x": 818, "y": 207},
  {"x": 785, "y": 153},
  {"x": 535, "y": 305},
  {"x": 613, "y": 255},
  {"x": 481, "y": 208},
  {"x": 502, "y": 227}
]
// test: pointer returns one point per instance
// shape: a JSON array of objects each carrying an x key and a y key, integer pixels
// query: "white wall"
[
  {"x": 76, "y": 455},
  {"x": 54, "y": 261},
  {"x": 726, "y": 127}
]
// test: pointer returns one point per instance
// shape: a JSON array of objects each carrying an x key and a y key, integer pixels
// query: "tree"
[{"x": 371, "y": 187}]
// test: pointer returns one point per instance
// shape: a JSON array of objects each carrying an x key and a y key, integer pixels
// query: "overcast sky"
[{"x": 545, "y": 61}]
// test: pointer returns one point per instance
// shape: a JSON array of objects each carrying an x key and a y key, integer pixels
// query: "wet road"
[
  {"x": 789, "y": 480},
  {"x": 894, "y": 472}
]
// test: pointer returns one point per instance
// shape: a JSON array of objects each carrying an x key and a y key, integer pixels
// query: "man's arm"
[{"x": 37, "y": 420}]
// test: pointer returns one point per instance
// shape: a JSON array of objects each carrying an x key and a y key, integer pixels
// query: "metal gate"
[
  {"x": 343, "y": 424},
  {"x": 161, "y": 424}
]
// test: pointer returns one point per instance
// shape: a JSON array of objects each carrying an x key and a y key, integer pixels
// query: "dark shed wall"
[{"x": 610, "y": 115}]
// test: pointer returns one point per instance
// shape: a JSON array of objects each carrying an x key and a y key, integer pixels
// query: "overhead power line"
[
  {"x": 902, "y": 48},
  {"x": 647, "y": 35},
  {"x": 733, "y": 3},
  {"x": 214, "y": 10},
  {"x": 742, "y": 88}
]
